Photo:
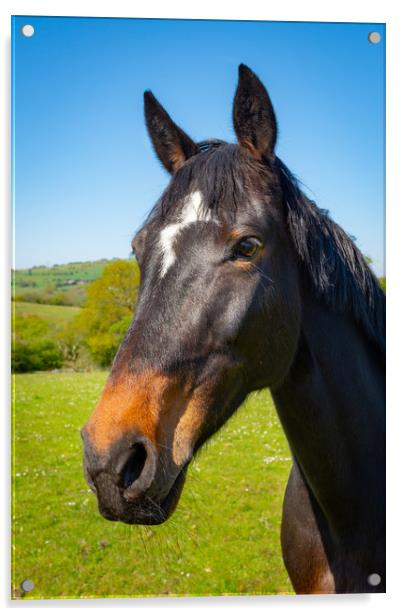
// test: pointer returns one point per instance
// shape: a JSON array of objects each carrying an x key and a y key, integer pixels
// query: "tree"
[
  {"x": 108, "y": 309},
  {"x": 381, "y": 279},
  {"x": 32, "y": 349}
]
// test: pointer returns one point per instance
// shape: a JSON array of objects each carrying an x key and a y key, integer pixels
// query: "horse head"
[{"x": 218, "y": 313}]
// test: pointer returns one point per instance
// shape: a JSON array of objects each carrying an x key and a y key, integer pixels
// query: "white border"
[{"x": 370, "y": 11}]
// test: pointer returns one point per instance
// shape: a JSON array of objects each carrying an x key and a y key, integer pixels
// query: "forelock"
[{"x": 226, "y": 178}]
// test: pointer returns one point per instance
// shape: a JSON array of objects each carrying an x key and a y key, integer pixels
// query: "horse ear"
[
  {"x": 253, "y": 115},
  {"x": 172, "y": 145}
]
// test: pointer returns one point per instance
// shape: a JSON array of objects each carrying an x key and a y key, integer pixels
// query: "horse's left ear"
[
  {"x": 172, "y": 145},
  {"x": 253, "y": 115}
]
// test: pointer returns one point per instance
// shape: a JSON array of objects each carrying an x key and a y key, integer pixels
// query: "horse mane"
[
  {"x": 334, "y": 266},
  {"x": 329, "y": 259}
]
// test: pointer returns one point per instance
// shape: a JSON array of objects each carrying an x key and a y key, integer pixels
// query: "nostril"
[{"x": 134, "y": 466}]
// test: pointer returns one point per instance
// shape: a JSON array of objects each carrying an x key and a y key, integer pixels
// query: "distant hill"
[{"x": 58, "y": 284}]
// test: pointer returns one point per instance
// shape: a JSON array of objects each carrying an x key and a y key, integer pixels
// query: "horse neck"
[{"x": 331, "y": 405}]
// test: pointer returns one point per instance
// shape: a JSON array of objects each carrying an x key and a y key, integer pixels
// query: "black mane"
[{"x": 330, "y": 260}]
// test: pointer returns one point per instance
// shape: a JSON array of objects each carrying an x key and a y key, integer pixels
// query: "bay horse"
[{"x": 247, "y": 284}]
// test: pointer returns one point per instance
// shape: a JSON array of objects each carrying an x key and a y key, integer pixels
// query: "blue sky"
[{"x": 85, "y": 175}]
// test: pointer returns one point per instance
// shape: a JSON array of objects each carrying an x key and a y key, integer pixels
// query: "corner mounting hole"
[
  {"x": 28, "y": 30},
  {"x": 374, "y": 579},
  {"x": 27, "y": 585},
  {"x": 374, "y": 38}
]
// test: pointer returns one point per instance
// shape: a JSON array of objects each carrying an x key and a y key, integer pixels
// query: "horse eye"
[{"x": 246, "y": 248}]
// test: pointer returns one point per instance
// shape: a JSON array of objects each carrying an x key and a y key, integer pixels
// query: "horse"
[{"x": 247, "y": 284}]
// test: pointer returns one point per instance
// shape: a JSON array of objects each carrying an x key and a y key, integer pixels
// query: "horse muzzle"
[{"x": 125, "y": 481}]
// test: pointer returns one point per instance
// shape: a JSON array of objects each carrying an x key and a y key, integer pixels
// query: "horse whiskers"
[
  {"x": 156, "y": 506},
  {"x": 263, "y": 274},
  {"x": 161, "y": 445},
  {"x": 142, "y": 532}
]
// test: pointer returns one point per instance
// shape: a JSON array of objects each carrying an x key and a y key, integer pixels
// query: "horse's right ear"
[
  {"x": 253, "y": 115},
  {"x": 172, "y": 145}
]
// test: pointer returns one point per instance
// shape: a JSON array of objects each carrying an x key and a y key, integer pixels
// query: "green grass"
[
  {"x": 224, "y": 537},
  {"x": 54, "y": 315}
]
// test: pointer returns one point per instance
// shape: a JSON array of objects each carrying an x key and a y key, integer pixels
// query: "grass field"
[
  {"x": 59, "y": 275},
  {"x": 223, "y": 538},
  {"x": 54, "y": 315}
]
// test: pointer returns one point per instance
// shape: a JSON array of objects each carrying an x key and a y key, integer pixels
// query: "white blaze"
[{"x": 192, "y": 212}]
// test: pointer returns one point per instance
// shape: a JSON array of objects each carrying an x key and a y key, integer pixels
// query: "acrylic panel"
[{"x": 198, "y": 308}]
